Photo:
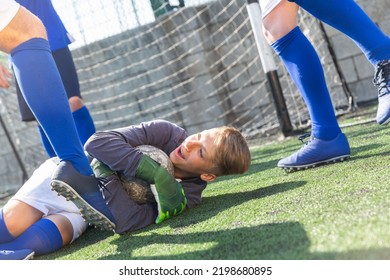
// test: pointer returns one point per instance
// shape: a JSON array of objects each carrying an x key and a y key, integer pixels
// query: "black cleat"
[{"x": 84, "y": 191}]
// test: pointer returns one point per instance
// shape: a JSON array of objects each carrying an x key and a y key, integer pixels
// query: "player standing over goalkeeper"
[
  {"x": 59, "y": 40},
  {"x": 38, "y": 221},
  {"x": 23, "y": 36},
  {"x": 327, "y": 143}
]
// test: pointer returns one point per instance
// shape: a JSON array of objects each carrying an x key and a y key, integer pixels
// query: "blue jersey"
[{"x": 57, "y": 34}]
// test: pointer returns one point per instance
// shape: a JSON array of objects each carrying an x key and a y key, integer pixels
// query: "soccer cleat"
[
  {"x": 84, "y": 191},
  {"x": 23, "y": 254},
  {"x": 315, "y": 152},
  {"x": 382, "y": 81}
]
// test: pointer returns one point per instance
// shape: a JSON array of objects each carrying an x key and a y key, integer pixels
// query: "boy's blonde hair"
[{"x": 232, "y": 155}]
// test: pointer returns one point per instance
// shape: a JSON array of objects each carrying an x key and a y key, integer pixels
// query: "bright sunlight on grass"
[{"x": 337, "y": 211}]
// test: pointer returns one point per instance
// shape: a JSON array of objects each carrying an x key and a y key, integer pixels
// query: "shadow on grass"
[
  {"x": 286, "y": 150},
  {"x": 210, "y": 207},
  {"x": 274, "y": 241},
  {"x": 370, "y": 132},
  {"x": 269, "y": 241},
  {"x": 277, "y": 241},
  {"x": 238, "y": 243}
]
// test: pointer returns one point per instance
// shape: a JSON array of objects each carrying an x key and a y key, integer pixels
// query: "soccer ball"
[
  {"x": 139, "y": 190},
  {"x": 157, "y": 155}
]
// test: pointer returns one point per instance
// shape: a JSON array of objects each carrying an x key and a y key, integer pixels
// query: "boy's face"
[{"x": 194, "y": 157}]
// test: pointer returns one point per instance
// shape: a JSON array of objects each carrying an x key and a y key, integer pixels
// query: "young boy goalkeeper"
[{"x": 38, "y": 221}]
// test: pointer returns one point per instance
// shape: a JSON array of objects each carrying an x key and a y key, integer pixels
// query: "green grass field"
[{"x": 336, "y": 211}]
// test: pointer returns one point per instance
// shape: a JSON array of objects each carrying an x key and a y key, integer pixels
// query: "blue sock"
[
  {"x": 42, "y": 88},
  {"x": 303, "y": 64},
  {"x": 84, "y": 123},
  {"x": 5, "y": 235},
  {"x": 43, "y": 237},
  {"x": 347, "y": 17},
  {"x": 46, "y": 143}
]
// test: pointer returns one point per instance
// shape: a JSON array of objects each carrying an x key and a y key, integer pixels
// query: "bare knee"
[
  {"x": 19, "y": 216},
  {"x": 75, "y": 103},
  {"x": 23, "y": 27},
  {"x": 280, "y": 21},
  {"x": 64, "y": 226}
]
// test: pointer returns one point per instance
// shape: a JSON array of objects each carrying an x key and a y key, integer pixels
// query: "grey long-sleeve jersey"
[{"x": 116, "y": 149}]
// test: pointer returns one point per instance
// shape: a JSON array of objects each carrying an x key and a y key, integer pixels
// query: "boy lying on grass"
[{"x": 38, "y": 221}]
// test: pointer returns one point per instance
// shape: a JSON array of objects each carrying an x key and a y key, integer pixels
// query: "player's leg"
[
  {"x": 31, "y": 202},
  {"x": 22, "y": 235},
  {"x": 42, "y": 237},
  {"x": 82, "y": 118},
  {"x": 38, "y": 78},
  {"x": 327, "y": 142},
  {"x": 83, "y": 121},
  {"x": 350, "y": 19},
  {"x": 81, "y": 115},
  {"x": 22, "y": 228},
  {"x": 16, "y": 216},
  {"x": 45, "y": 236},
  {"x": 36, "y": 218},
  {"x": 27, "y": 116}
]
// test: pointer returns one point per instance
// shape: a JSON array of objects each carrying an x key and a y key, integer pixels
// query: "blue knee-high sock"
[
  {"x": 84, "y": 123},
  {"x": 42, "y": 88},
  {"x": 303, "y": 64},
  {"x": 46, "y": 143},
  {"x": 350, "y": 19},
  {"x": 43, "y": 237},
  {"x": 5, "y": 235}
]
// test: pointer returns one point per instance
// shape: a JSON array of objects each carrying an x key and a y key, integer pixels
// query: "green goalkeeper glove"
[
  {"x": 168, "y": 192},
  {"x": 100, "y": 169}
]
